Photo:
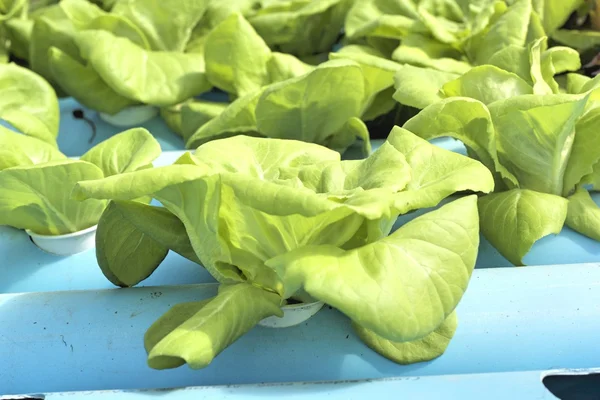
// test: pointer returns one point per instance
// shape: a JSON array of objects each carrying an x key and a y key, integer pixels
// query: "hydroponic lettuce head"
[
  {"x": 111, "y": 60},
  {"x": 278, "y": 219},
  {"x": 37, "y": 180},
  {"x": 540, "y": 147}
]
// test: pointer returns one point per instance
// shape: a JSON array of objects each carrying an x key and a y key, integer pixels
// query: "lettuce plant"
[
  {"x": 513, "y": 71},
  {"x": 246, "y": 67},
  {"x": 323, "y": 106},
  {"x": 540, "y": 147},
  {"x": 37, "y": 180},
  {"x": 28, "y": 103},
  {"x": 300, "y": 27},
  {"x": 111, "y": 60},
  {"x": 274, "y": 220},
  {"x": 446, "y": 36}
]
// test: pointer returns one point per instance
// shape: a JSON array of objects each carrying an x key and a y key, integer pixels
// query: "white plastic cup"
[
  {"x": 68, "y": 244},
  {"x": 131, "y": 116},
  {"x": 293, "y": 314}
]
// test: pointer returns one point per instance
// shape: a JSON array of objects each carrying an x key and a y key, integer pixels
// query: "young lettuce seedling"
[{"x": 276, "y": 220}]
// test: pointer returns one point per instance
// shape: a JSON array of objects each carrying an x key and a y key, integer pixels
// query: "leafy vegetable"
[
  {"x": 540, "y": 148},
  {"x": 144, "y": 51},
  {"x": 512, "y": 71},
  {"x": 278, "y": 220},
  {"x": 320, "y": 107},
  {"x": 28, "y": 103},
  {"x": 20, "y": 150},
  {"x": 37, "y": 180},
  {"x": 300, "y": 27}
]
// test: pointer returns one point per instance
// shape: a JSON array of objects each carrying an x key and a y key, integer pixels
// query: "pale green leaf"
[
  {"x": 513, "y": 221},
  {"x": 128, "y": 151},
  {"x": 140, "y": 75},
  {"x": 401, "y": 287},
  {"x": 313, "y": 107},
  {"x": 283, "y": 66},
  {"x": 309, "y": 29},
  {"x": 167, "y": 24},
  {"x": 20, "y": 150},
  {"x": 84, "y": 84},
  {"x": 423, "y": 51},
  {"x": 383, "y": 18},
  {"x": 435, "y": 173},
  {"x": 510, "y": 28},
  {"x": 487, "y": 84},
  {"x": 420, "y": 87},
  {"x": 242, "y": 69},
  {"x": 424, "y": 349},
  {"x": 467, "y": 120},
  {"x": 126, "y": 256},
  {"x": 238, "y": 118},
  {"x": 580, "y": 40},
  {"x": 19, "y": 33},
  {"x": 584, "y": 153},
  {"x": 52, "y": 29},
  {"x": 197, "y": 113},
  {"x": 28, "y": 103},
  {"x": 583, "y": 214},
  {"x": 38, "y": 197},
  {"x": 195, "y": 333},
  {"x": 133, "y": 239},
  {"x": 535, "y": 135}
]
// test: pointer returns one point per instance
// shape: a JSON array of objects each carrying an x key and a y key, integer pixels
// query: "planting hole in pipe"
[{"x": 574, "y": 385}]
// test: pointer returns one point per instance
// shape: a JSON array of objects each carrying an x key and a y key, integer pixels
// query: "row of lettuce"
[{"x": 265, "y": 202}]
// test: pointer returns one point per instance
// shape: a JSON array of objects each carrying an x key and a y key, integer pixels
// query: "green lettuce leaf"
[
  {"x": 583, "y": 157},
  {"x": 380, "y": 18},
  {"x": 510, "y": 28},
  {"x": 583, "y": 214},
  {"x": 467, "y": 120},
  {"x": 423, "y": 51},
  {"x": 125, "y": 254},
  {"x": 242, "y": 69},
  {"x": 167, "y": 24},
  {"x": 313, "y": 107},
  {"x": 20, "y": 150},
  {"x": 283, "y": 66},
  {"x": 138, "y": 74},
  {"x": 379, "y": 77},
  {"x": 195, "y": 333},
  {"x": 514, "y": 220},
  {"x": 424, "y": 349},
  {"x": 436, "y": 253},
  {"x": 238, "y": 118},
  {"x": 125, "y": 152},
  {"x": 554, "y": 13},
  {"x": 28, "y": 103},
  {"x": 51, "y": 29},
  {"x": 38, "y": 197},
  {"x": 580, "y": 40},
  {"x": 310, "y": 28},
  {"x": 84, "y": 84},
  {"x": 420, "y": 87},
  {"x": 487, "y": 84},
  {"x": 134, "y": 238},
  {"x": 435, "y": 173},
  {"x": 535, "y": 135}
]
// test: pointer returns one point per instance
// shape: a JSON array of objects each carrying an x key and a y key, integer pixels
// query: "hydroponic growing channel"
[{"x": 305, "y": 198}]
